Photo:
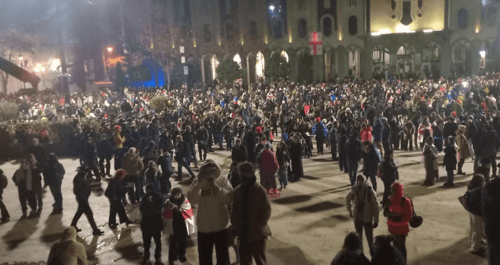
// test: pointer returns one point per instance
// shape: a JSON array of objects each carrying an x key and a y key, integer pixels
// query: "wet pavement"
[{"x": 309, "y": 222}]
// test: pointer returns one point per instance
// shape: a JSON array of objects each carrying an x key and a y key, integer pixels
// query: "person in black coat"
[
  {"x": 105, "y": 151},
  {"x": 151, "y": 153},
  {"x": 165, "y": 142},
  {"x": 450, "y": 160},
  {"x": 53, "y": 178},
  {"x": 90, "y": 157},
  {"x": 296, "y": 157},
  {"x": 450, "y": 128},
  {"x": 154, "y": 131},
  {"x": 351, "y": 252},
  {"x": 81, "y": 189},
  {"x": 188, "y": 137},
  {"x": 343, "y": 139},
  {"x": 333, "y": 141},
  {"x": 239, "y": 152},
  {"x": 371, "y": 161},
  {"x": 354, "y": 155},
  {"x": 388, "y": 173},
  {"x": 202, "y": 138},
  {"x": 386, "y": 253},
  {"x": 181, "y": 156},
  {"x": 151, "y": 222},
  {"x": 165, "y": 163},
  {"x": 386, "y": 135},
  {"x": 491, "y": 218},
  {"x": 115, "y": 192},
  {"x": 249, "y": 143}
]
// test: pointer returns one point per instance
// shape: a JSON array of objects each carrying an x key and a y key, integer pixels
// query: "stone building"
[{"x": 362, "y": 38}]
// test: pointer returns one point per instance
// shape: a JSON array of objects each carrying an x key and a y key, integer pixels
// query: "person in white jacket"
[
  {"x": 362, "y": 205},
  {"x": 212, "y": 193}
]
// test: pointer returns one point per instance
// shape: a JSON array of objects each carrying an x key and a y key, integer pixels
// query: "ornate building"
[{"x": 363, "y": 38}]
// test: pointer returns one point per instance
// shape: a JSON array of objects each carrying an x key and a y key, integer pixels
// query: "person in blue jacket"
[
  {"x": 377, "y": 133},
  {"x": 321, "y": 132}
]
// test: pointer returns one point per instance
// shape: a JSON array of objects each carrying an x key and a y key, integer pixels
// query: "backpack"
[{"x": 3, "y": 182}]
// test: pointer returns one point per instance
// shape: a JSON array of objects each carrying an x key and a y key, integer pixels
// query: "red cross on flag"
[{"x": 315, "y": 44}]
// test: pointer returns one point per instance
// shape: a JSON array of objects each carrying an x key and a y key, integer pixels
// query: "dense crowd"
[{"x": 143, "y": 135}]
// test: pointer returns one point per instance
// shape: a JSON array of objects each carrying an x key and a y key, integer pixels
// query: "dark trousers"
[
  {"x": 130, "y": 182},
  {"x": 359, "y": 225},
  {"x": 450, "y": 176},
  {"x": 460, "y": 165},
  {"x": 334, "y": 151},
  {"x": 191, "y": 154},
  {"x": 55, "y": 189},
  {"x": 400, "y": 244},
  {"x": 493, "y": 251},
  {"x": 353, "y": 171},
  {"x": 203, "y": 150},
  {"x": 101, "y": 166},
  {"x": 319, "y": 143},
  {"x": 387, "y": 189},
  {"x": 116, "y": 207},
  {"x": 206, "y": 242},
  {"x": 373, "y": 179},
  {"x": 343, "y": 162},
  {"x": 255, "y": 249},
  {"x": 84, "y": 208},
  {"x": 177, "y": 248},
  {"x": 166, "y": 185},
  {"x": 26, "y": 196},
  {"x": 182, "y": 163},
  {"x": 38, "y": 194},
  {"x": 146, "y": 239},
  {"x": 3, "y": 209}
]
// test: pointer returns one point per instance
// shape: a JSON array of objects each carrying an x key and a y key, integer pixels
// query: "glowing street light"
[
  {"x": 483, "y": 54},
  {"x": 271, "y": 8},
  {"x": 39, "y": 68},
  {"x": 110, "y": 49}
]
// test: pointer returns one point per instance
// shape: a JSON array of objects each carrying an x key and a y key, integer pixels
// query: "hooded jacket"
[
  {"x": 67, "y": 251},
  {"x": 212, "y": 213},
  {"x": 406, "y": 212},
  {"x": 132, "y": 163},
  {"x": 378, "y": 130},
  {"x": 362, "y": 203}
]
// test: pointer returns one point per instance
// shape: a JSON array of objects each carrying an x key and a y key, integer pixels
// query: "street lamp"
[
  {"x": 272, "y": 8},
  {"x": 110, "y": 49}
]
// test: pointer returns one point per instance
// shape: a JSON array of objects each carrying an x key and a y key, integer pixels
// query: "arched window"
[
  {"x": 284, "y": 54},
  {"x": 353, "y": 25},
  {"x": 462, "y": 18},
  {"x": 327, "y": 27},
  {"x": 302, "y": 28},
  {"x": 278, "y": 33}
]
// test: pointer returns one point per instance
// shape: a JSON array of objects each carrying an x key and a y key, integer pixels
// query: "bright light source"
[
  {"x": 39, "y": 68},
  {"x": 400, "y": 28},
  {"x": 465, "y": 84},
  {"x": 110, "y": 49},
  {"x": 20, "y": 58},
  {"x": 56, "y": 62},
  {"x": 483, "y": 54},
  {"x": 375, "y": 33},
  {"x": 385, "y": 31},
  {"x": 410, "y": 31},
  {"x": 428, "y": 30},
  {"x": 272, "y": 8}
]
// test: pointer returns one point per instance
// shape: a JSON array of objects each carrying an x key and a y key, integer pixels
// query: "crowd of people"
[{"x": 143, "y": 135}]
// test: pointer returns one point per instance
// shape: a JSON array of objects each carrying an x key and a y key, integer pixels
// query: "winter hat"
[
  {"x": 318, "y": 119},
  {"x": 209, "y": 170},
  {"x": 269, "y": 146}
]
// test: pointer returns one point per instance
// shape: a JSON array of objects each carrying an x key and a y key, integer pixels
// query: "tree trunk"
[{"x": 4, "y": 80}]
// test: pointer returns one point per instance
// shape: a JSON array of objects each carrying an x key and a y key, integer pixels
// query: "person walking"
[
  {"x": 178, "y": 224},
  {"x": 473, "y": 201},
  {"x": 202, "y": 138},
  {"x": 118, "y": 140},
  {"x": 321, "y": 133},
  {"x": 211, "y": 193},
  {"x": 151, "y": 222},
  {"x": 114, "y": 192},
  {"x": 399, "y": 213},
  {"x": 239, "y": 152},
  {"x": 23, "y": 180},
  {"x": 362, "y": 205},
  {"x": 3, "y": 209},
  {"x": 351, "y": 252},
  {"x": 296, "y": 155},
  {"x": 181, "y": 156},
  {"x": 343, "y": 140},
  {"x": 165, "y": 163},
  {"x": 36, "y": 177},
  {"x": 54, "y": 175},
  {"x": 81, "y": 189},
  {"x": 90, "y": 157},
  {"x": 333, "y": 141},
  {"x": 371, "y": 161},
  {"x": 251, "y": 211},
  {"x": 67, "y": 251},
  {"x": 378, "y": 132},
  {"x": 133, "y": 165},
  {"x": 354, "y": 154},
  {"x": 463, "y": 148},
  {"x": 105, "y": 150},
  {"x": 388, "y": 173},
  {"x": 450, "y": 160},
  {"x": 283, "y": 158}
]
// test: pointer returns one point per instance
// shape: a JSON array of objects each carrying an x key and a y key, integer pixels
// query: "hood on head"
[
  {"x": 461, "y": 129},
  {"x": 210, "y": 169},
  {"x": 69, "y": 234},
  {"x": 362, "y": 178},
  {"x": 399, "y": 189}
]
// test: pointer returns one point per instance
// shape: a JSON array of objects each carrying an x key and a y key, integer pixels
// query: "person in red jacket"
[
  {"x": 366, "y": 132},
  {"x": 268, "y": 168},
  {"x": 398, "y": 215}
]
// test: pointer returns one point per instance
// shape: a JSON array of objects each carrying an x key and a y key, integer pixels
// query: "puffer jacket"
[
  {"x": 132, "y": 163},
  {"x": 362, "y": 203},
  {"x": 406, "y": 212},
  {"x": 463, "y": 146},
  {"x": 366, "y": 134}
]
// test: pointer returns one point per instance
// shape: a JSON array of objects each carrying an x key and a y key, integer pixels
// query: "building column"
[{"x": 318, "y": 68}]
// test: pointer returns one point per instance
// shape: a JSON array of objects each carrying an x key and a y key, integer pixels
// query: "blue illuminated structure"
[{"x": 157, "y": 76}]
